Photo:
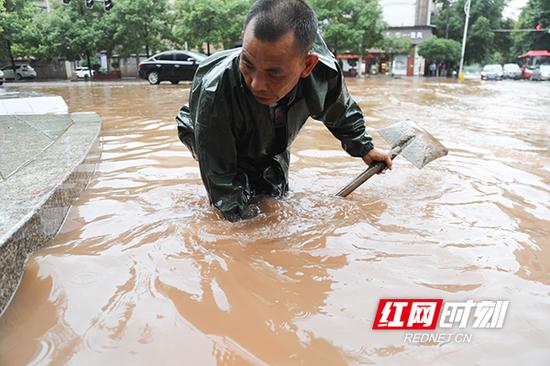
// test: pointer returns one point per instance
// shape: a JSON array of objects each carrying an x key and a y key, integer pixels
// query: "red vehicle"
[{"x": 531, "y": 60}]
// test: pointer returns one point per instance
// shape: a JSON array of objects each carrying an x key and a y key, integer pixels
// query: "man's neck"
[{"x": 290, "y": 97}]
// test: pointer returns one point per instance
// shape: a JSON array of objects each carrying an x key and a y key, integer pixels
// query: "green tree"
[
  {"x": 70, "y": 31},
  {"x": 443, "y": 18},
  {"x": 536, "y": 12},
  {"x": 235, "y": 12},
  {"x": 200, "y": 21},
  {"x": 2, "y": 14},
  {"x": 447, "y": 50},
  {"x": 485, "y": 16},
  {"x": 504, "y": 43},
  {"x": 212, "y": 22},
  {"x": 350, "y": 25},
  {"x": 20, "y": 34},
  {"x": 135, "y": 26},
  {"x": 392, "y": 44},
  {"x": 480, "y": 44}
]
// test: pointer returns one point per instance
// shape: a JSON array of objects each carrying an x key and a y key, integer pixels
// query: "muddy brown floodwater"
[{"x": 143, "y": 272}]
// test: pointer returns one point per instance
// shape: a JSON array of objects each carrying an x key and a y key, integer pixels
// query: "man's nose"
[{"x": 258, "y": 83}]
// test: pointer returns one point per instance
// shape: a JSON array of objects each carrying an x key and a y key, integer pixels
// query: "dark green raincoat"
[{"x": 240, "y": 152}]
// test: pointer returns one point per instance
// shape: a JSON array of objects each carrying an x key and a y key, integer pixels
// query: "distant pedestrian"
[
  {"x": 433, "y": 69},
  {"x": 444, "y": 71}
]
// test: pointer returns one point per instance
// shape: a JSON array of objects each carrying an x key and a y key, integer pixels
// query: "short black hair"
[{"x": 275, "y": 18}]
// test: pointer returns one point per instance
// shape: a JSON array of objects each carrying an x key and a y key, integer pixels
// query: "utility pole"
[{"x": 467, "y": 11}]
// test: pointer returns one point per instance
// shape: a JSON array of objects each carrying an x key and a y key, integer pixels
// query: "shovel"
[{"x": 408, "y": 140}]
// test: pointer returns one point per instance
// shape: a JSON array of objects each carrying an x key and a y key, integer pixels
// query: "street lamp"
[{"x": 467, "y": 11}]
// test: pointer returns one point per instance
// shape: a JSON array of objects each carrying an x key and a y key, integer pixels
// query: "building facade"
[{"x": 408, "y": 18}]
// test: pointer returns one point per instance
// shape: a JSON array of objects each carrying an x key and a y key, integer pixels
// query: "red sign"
[{"x": 407, "y": 314}]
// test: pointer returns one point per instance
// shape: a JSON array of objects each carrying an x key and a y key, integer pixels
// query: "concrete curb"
[{"x": 36, "y": 196}]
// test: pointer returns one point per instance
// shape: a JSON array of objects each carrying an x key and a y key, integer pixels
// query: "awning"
[
  {"x": 535, "y": 53},
  {"x": 344, "y": 57},
  {"x": 369, "y": 56}
]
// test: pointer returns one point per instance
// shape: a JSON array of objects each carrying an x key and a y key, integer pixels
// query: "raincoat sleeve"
[
  {"x": 344, "y": 118},
  {"x": 186, "y": 130},
  {"x": 215, "y": 143}
]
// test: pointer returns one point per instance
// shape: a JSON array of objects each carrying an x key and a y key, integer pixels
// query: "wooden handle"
[
  {"x": 362, "y": 178},
  {"x": 371, "y": 170}
]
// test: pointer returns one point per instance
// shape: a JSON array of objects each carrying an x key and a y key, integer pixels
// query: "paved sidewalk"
[{"x": 46, "y": 161}]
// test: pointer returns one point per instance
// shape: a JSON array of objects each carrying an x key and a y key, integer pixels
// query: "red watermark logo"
[
  {"x": 423, "y": 314},
  {"x": 407, "y": 314}
]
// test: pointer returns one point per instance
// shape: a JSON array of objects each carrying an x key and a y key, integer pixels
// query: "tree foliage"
[
  {"x": 136, "y": 26},
  {"x": 146, "y": 26},
  {"x": 440, "y": 49},
  {"x": 536, "y": 12},
  {"x": 350, "y": 25},
  {"x": 485, "y": 16},
  {"x": 2, "y": 14},
  {"x": 393, "y": 44},
  {"x": 214, "y": 22},
  {"x": 70, "y": 33},
  {"x": 20, "y": 36}
]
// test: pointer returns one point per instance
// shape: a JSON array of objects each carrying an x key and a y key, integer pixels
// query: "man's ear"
[{"x": 311, "y": 61}]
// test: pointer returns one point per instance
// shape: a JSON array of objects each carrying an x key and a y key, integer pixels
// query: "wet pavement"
[{"x": 144, "y": 272}]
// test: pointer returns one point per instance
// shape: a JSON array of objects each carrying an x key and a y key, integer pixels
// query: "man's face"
[{"x": 272, "y": 69}]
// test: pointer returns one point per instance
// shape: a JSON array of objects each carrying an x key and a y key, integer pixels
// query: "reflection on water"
[{"x": 145, "y": 272}]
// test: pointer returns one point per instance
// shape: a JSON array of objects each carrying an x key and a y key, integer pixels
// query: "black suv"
[{"x": 173, "y": 66}]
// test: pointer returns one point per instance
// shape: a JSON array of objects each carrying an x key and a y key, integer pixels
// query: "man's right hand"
[{"x": 378, "y": 155}]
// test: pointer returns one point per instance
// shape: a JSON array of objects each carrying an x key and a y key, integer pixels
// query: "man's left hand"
[{"x": 378, "y": 155}]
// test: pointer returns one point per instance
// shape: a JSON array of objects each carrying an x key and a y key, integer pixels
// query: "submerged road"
[{"x": 145, "y": 272}]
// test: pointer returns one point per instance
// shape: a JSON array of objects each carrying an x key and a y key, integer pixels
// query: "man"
[{"x": 247, "y": 105}]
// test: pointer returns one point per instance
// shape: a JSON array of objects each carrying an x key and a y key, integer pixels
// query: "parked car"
[
  {"x": 1, "y": 77},
  {"x": 491, "y": 71},
  {"x": 173, "y": 66},
  {"x": 23, "y": 71},
  {"x": 541, "y": 72},
  {"x": 527, "y": 71},
  {"x": 545, "y": 72},
  {"x": 83, "y": 73},
  {"x": 512, "y": 71},
  {"x": 472, "y": 72}
]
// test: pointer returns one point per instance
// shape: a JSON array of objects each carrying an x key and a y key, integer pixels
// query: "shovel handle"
[{"x": 362, "y": 178}]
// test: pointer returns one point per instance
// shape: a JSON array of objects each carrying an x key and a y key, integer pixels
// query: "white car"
[
  {"x": 23, "y": 71},
  {"x": 541, "y": 72},
  {"x": 83, "y": 73},
  {"x": 512, "y": 71},
  {"x": 545, "y": 72},
  {"x": 1, "y": 77},
  {"x": 492, "y": 71}
]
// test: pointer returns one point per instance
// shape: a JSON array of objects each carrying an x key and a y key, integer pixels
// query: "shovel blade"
[{"x": 418, "y": 146}]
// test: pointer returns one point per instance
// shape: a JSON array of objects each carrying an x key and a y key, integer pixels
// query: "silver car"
[
  {"x": 23, "y": 71},
  {"x": 492, "y": 71},
  {"x": 512, "y": 71},
  {"x": 83, "y": 73},
  {"x": 542, "y": 72},
  {"x": 1, "y": 77}
]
